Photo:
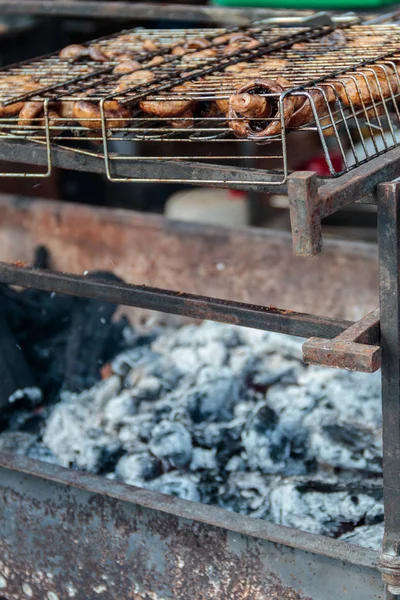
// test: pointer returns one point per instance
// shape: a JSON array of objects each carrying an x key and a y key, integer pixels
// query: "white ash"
[
  {"x": 33, "y": 394},
  {"x": 232, "y": 417}
]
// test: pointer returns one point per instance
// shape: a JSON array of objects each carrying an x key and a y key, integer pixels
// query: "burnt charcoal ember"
[
  {"x": 132, "y": 358},
  {"x": 214, "y": 396},
  {"x": 171, "y": 442},
  {"x": 136, "y": 469},
  {"x": 177, "y": 484},
  {"x": 153, "y": 377},
  {"x": 65, "y": 340},
  {"x": 227, "y": 416},
  {"x": 273, "y": 447},
  {"x": 324, "y": 512},
  {"x": 345, "y": 425},
  {"x": 29, "y": 421},
  {"x": 368, "y": 536},
  {"x": 91, "y": 323},
  {"x": 38, "y": 451},
  {"x": 75, "y": 430},
  {"x": 15, "y": 373},
  {"x": 26, "y": 444},
  {"x": 204, "y": 460},
  {"x": 246, "y": 493}
]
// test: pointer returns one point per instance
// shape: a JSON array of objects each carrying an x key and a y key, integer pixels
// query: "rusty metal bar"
[
  {"x": 389, "y": 264},
  {"x": 190, "y": 305},
  {"x": 356, "y": 349},
  {"x": 304, "y": 213}
]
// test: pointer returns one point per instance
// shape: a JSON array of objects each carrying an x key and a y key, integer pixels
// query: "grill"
[
  {"x": 352, "y": 102},
  {"x": 363, "y": 129}
]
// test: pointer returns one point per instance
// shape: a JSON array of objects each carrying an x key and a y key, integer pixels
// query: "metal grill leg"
[{"x": 389, "y": 262}]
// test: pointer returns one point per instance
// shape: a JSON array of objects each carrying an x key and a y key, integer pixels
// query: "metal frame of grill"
[{"x": 365, "y": 345}]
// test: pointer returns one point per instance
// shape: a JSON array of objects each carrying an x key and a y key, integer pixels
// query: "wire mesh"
[{"x": 238, "y": 96}]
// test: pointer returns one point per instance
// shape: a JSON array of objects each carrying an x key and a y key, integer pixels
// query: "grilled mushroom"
[
  {"x": 135, "y": 79},
  {"x": 165, "y": 108},
  {"x": 20, "y": 84},
  {"x": 149, "y": 46},
  {"x": 192, "y": 44},
  {"x": 30, "y": 112},
  {"x": 317, "y": 100},
  {"x": 157, "y": 60},
  {"x": 77, "y": 51},
  {"x": 88, "y": 114},
  {"x": 126, "y": 66},
  {"x": 360, "y": 88},
  {"x": 240, "y": 41},
  {"x": 246, "y": 116}
]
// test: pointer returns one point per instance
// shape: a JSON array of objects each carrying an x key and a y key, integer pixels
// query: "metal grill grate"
[{"x": 344, "y": 77}]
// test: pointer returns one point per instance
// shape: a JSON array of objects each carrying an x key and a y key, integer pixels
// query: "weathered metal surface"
[
  {"x": 189, "y": 305},
  {"x": 365, "y": 331},
  {"x": 142, "y": 170},
  {"x": 138, "y": 10},
  {"x": 304, "y": 214},
  {"x": 356, "y": 349},
  {"x": 65, "y": 534},
  {"x": 342, "y": 355},
  {"x": 247, "y": 265},
  {"x": 389, "y": 259},
  {"x": 335, "y": 194}
]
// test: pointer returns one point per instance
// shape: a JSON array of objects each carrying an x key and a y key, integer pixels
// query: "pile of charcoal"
[{"x": 220, "y": 415}]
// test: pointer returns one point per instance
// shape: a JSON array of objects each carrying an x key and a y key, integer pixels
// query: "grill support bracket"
[
  {"x": 389, "y": 266},
  {"x": 356, "y": 349}
]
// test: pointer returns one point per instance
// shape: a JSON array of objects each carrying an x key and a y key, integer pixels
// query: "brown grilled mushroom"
[
  {"x": 201, "y": 55},
  {"x": 259, "y": 130},
  {"x": 66, "y": 109},
  {"x": 149, "y": 46},
  {"x": 304, "y": 112},
  {"x": 30, "y": 112},
  {"x": 223, "y": 105},
  {"x": 135, "y": 79},
  {"x": 77, "y": 51},
  {"x": 372, "y": 41},
  {"x": 169, "y": 108},
  {"x": 157, "y": 60},
  {"x": 126, "y": 66},
  {"x": 192, "y": 44},
  {"x": 53, "y": 117},
  {"x": 88, "y": 114},
  {"x": 240, "y": 41},
  {"x": 362, "y": 87},
  {"x": 185, "y": 121},
  {"x": 165, "y": 108},
  {"x": 20, "y": 84},
  {"x": 241, "y": 66}
]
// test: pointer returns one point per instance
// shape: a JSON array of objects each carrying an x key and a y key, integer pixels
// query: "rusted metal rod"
[
  {"x": 389, "y": 261},
  {"x": 189, "y": 305},
  {"x": 356, "y": 349}
]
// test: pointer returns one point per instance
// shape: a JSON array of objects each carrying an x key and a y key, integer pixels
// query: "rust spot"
[
  {"x": 105, "y": 372},
  {"x": 20, "y": 263}
]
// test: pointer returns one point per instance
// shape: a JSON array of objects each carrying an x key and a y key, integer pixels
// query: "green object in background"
[{"x": 304, "y": 4}]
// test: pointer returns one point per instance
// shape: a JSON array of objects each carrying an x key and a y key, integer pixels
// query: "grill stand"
[{"x": 389, "y": 263}]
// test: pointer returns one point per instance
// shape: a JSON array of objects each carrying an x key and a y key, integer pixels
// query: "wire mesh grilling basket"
[{"x": 239, "y": 96}]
